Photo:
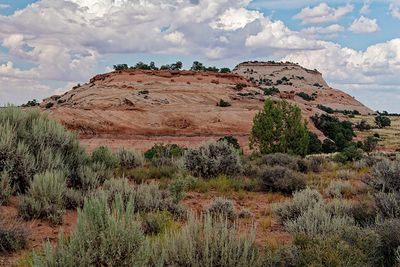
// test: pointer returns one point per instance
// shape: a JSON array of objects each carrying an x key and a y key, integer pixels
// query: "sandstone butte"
[{"x": 137, "y": 108}]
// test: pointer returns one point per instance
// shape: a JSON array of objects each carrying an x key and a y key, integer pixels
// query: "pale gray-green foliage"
[
  {"x": 32, "y": 143},
  {"x": 309, "y": 214},
  {"x": 212, "y": 159},
  {"x": 245, "y": 213},
  {"x": 74, "y": 198},
  {"x": 129, "y": 158},
  {"x": 105, "y": 235},
  {"x": 336, "y": 189},
  {"x": 45, "y": 197},
  {"x": 387, "y": 175},
  {"x": 5, "y": 188},
  {"x": 344, "y": 174},
  {"x": 205, "y": 242},
  {"x": 317, "y": 221},
  {"x": 388, "y": 204},
  {"x": 222, "y": 207},
  {"x": 302, "y": 201}
]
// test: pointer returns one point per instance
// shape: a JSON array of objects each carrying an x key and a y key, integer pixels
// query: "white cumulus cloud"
[
  {"x": 322, "y": 13},
  {"x": 364, "y": 25}
]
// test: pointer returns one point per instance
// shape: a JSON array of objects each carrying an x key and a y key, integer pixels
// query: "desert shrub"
[
  {"x": 164, "y": 154},
  {"x": 271, "y": 91},
  {"x": 279, "y": 128},
  {"x": 329, "y": 146},
  {"x": 338, "y": 189},
  {"x": 305, "y": 96},
  {"x": 341, "y": 132},
  {"x": 104, "y": 155},
  {"x": 32, "y": 143},
  {"x": 45, "y": 198},
  {"x": 120, "y": 187},
  {"x": 344, "y": 174},
  {"x": 369, "y": 144},
  {"x": 74, "y": 198},
  {"x": 142, "y": 174},
  {"x": 222, "y": 207},
  {"x": 12, "y": 237},
  {"x": 314, "y": 144},
  {"x": 349, "y": 153},
  {"x": 351, "y": 246},
  {"x": 363, "y": 125},
  {"x": 317, "y": 221},
  {"x": 302, "y": 201},
  {"x": 222, "y": 103},
  {"x": 390, "y": 240},
  {"x": 149, "y": 198},
  {"x": 281, "y": 179},
  {"x": 316, "y": 163},
  {"x": 387, "y": 175},
  {"x": 177, "y": 189},
  {"x": 280, "y": 159},
  {"x": 156, "y": 222},
  {"x": 188, "y": 247},
  {"x": 382, "y": 121},
  {"x": 213, "y": 159},
  {"x": 113, "y": 228},
  {"x": 245, "y": 213},
  {"x": 388, "y": 204},
  {"x": 230, "y": 140},
  {"x": 364, "y": 214},
  {"x": 5, "y": 188},
  {"x": 128, "y": 158}
]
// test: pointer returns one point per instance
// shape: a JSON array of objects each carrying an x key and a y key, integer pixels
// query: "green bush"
[
  {"x": 349, "y": 153},
  {"x": 114, "y": 230},
  {"x": 382, "y": 121},
  {"x": 157, "y": 222},
  {"x": 74, "y": 199},
  {"x": 205, "y": 242},
  {"x": 271, "y": 91},
  {"x": 222, "y": 103},
  {"x": 45, "y": 198},
  {"x": 104, "y": 156},
  {"x": 281, "y": 179},
  {"x": 32, "y": 143},
  {"x": 314, "y": 145},
  {"x": 164, "y": 154},
  {"x": 305, "y": 96},
  {"x": 230, "y": 140},
  {"x": 221, "y": 207},
  {"x": 213, "y": 159},
  {"x": 316, "y": 163},
  {"x": 279, "y": 128},
  {"x": 341, "y": 132},
  {"x": 129, "y": 159},
  {"x": 12, "y": 237}
]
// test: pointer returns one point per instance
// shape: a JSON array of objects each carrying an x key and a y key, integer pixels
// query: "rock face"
[{"x": 137, "y": 108}]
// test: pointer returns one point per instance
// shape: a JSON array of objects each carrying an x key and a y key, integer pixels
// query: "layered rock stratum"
[{"x": 136, "y": 108}]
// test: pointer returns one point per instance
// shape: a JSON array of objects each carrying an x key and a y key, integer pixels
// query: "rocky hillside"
[{"x": 137, "y": 108}]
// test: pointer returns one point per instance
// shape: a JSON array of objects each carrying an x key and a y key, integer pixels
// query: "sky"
[{"x": 48, "y": 46}]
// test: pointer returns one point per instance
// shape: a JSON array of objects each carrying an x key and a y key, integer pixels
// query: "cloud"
[
  {"x": 394, "y": 9},
  {"x": 365, "y": 9},
  {"x": 322, "y": 14},
  {"x": 331, "y": 29},
  {"x": 4, "y": 6},
  {"x": 364, "y": 25},
  {"x": 234, "y": 19}
]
